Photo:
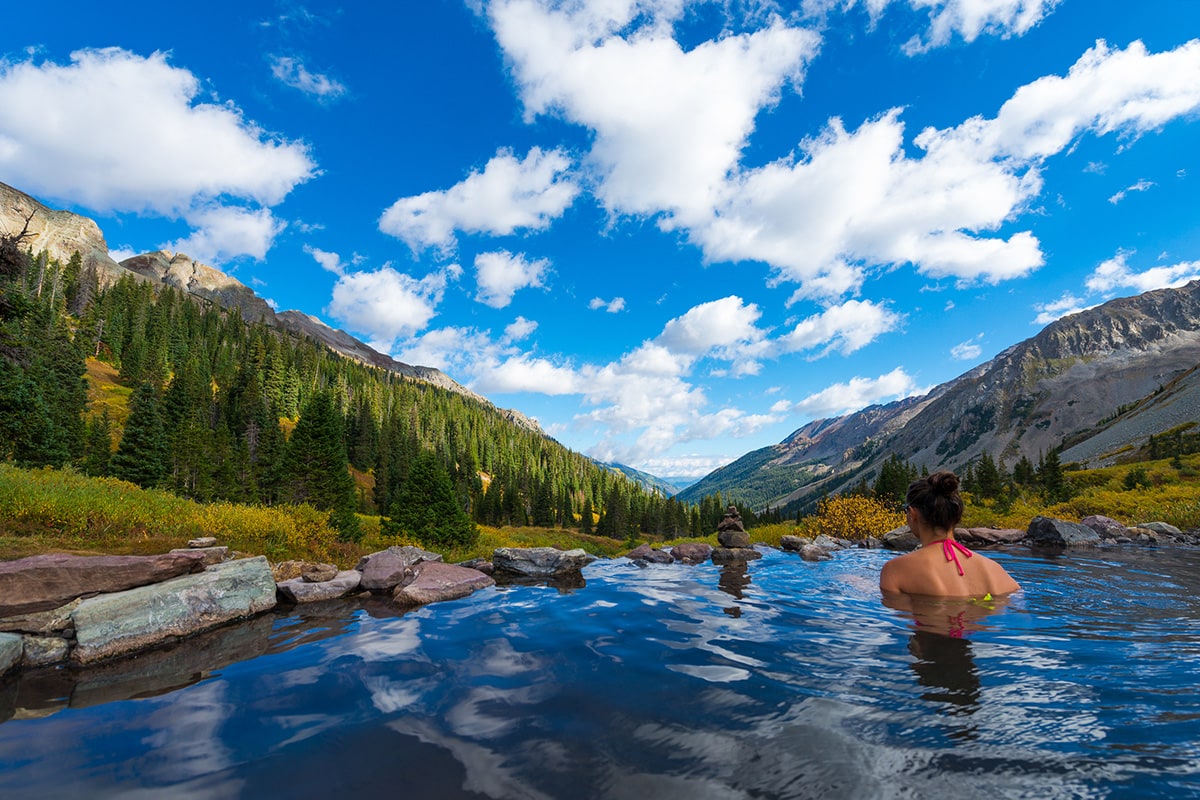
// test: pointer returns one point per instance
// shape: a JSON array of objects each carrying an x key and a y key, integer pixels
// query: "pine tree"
[
  {"x": 97, "y": 447},
  {"x": 426, "y": 508},
  {"x": 316, "y": 468},
  {"x": 141, "y": 457}
]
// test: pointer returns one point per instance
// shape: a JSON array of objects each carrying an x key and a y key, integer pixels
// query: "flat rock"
[
  {"x": 55, "y": 620},
  {"x": 40, "y": 583},
  {"x": 901, "y": 539},
  {"x": 481, "y": 564},
  {"x": 435, "y": 581},
  {"x": 813, "y": 552},
  {"x": 1049, "y": 532},
  {"x": 647, "y": 553},
  {"x": 11, "y": 647},
  {"x": 539, "y": 562},
  {"x": 984, "y": 536},
  {"x": 1160, "y": 528},
  {"x": 300, "y": 590},
  {"x": 43, "y": 650},
  {"x": 387, "y": 569},
  {"x": 319, "y": 573},
  {"x": 123, "y": 622},
  {"x": 202, "y": 541},
  {"x": 828, "y": 543},
  {"x": 692, "y": 552},
  {"x": 733, "y": 539},
  {"x": 732, "y": 555},
  {"x": 209, "y": 555},
  {"x": 793, "y": 543}
]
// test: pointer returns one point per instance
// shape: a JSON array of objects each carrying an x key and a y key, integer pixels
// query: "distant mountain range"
[
  {"x": 1096, "y": 384},
  {"x": 667, "y": 487}
]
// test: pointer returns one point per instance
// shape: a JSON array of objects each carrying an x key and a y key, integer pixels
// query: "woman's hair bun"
[{"x": 944, "y": 483}]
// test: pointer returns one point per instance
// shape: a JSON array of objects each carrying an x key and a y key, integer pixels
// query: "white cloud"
[
  {"x": 119, "y": 254},
  {"x": 1140, "y": 186},
  {"x": 857, "y": 393},
  {"x": 520, "y": 328},
  {"x": 719, "y": 323},
  {"x": 386, "y": 305},
  {"x": 845, "y": 328},
  {"x": 292, "y": 72},
  {"x": 157, "y": 149},
  {"x": 1114, "y": 274},
  {"x": 501, "y": 274},
  {"x": 669, "y": 123},
  {"x": 226, "y": 232},
  {"x": 616, "y": 305},
  {"x": 968, "y": 350},
  {"x": 685, "y": 466},
  {"x": 526, "y": 374},
  {"x": 508, "y": 195},
  {"x": 330, "y": 262},
  {"x": 1056, "y": 309}
]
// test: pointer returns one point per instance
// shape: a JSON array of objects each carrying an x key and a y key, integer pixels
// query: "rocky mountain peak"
[
  {"x": 59, "y": 233},
  {"x": 188, "y": 275}
]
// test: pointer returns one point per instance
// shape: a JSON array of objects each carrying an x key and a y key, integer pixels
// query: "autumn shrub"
[{"x": 850, "y": 517}]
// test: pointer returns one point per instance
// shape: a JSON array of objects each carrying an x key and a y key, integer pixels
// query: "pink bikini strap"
[{"x": 949, "y": 548}]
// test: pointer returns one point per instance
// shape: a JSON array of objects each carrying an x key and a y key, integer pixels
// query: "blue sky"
[{"x": 671, "y": 231}]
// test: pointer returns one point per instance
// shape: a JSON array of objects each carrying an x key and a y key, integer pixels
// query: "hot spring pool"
[{"x": 781, "y": 679}]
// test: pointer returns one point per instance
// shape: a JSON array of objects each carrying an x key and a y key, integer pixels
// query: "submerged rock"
[
  {"x": 647, "y": 553},
  {"x": 692, "y": 552},
  {"x": 1048, "y": 532},
  {"x": 539, "y": 562},
  {"x": 387, "y": 569},
  {"x": 793, "y": 544},
  {"x": 302, "y": 590},
  {"x": 40, "y": 583},
  {"x": 434, "y": 582},
  {"x": 814, "y": 552},
  {"x": 11, "y": 647},
  {"x": 114, "y": 624},
  {"x": 730, "y": 555}
]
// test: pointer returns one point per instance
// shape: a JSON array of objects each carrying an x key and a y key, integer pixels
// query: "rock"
[
  {"x": 40, "y": 583},
  {"x": 202, "y": 541},
  {"x": 900, "y": 539},
  {"x": 793, "y": 543},
  {"x": 481, "y": 564},
  {"x": 208, "y": 555},
  {"x": 733, "y": 538},
  {"x": 985, "y": 536},
  {"x": 692, "y": 552},
  {"x": 647, "y": 553},
  {"x": 1107, "y": 527},
  {"x": 870, "y": 543},
  {"x": 287, "y": 570},
  {"x": 385, "y": 570},
  {"x": 115, "y": 624},
  {"x": 435, "y": 582},
  {"x": 1047, "y": 532},
  {"x": 731, "y": 555},
  {"x": 1161, "y": 528},
  {"x": 319, "y": 573},
  {"x": 828, "y": 543},
  {"x": 43, "y": 650},
  {"x": 813, "y": 552},
  {"x": 56, "y": 620},
  {"x": 301, "y": 590},
  {"x": 539, "y": 562},
  {"x": 11, "y": 647}
]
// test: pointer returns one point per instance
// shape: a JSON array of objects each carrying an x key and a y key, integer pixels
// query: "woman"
[{"x": 941, "y": 567}]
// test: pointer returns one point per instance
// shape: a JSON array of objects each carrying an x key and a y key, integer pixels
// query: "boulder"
[
  {"x": 692, "y": 552},
  {"x": 119, "y": 623},
  {"x": 434, "y": 582},
  {"x": 302, "y": 590},
  {"x": 209, "y": 555},
  {"x": 1048, "y": 532},
  {"x": 56, "y": 620},
  {"x": 319, "y": 573},
  {"x": 40, "y": 583},
  {"x": 385, "y": 570},
  {"x": 986, "y": 536},
  {"x": 733, "y": 555},
  {"x": 733, "y": 538},
  {"x": 11, "y": 647},
  {"x": 481, "y": 564},
  {"x": 539, "y": 562},
  {"x": 828, "y": 543},
  {"x": 900, "y": 539},
  {"x": 1160, "y": 528},
  {"x": 202, "y": 541},
  {"x": 793, "y": 544},
  {"x": 286, "y": 570},
  {"x": 647, "y": 553},
  {"x": 43, "y": 650},
  {"x": 814, "y": 552}
]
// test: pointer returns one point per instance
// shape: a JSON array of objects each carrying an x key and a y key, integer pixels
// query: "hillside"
[{"x": 1097, "y": 384}]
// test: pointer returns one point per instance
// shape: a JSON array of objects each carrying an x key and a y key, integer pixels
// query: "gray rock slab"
[
  {"x": 40, "y": 583},
  {"x": 43, "y": 650},
  {"x": 901, "y": 539},
  {"x": 692, "y": 552},
  {"x": 387, "y": 569},
  {"x": 647, "y": 553},
  {"x": 731, "y": 555},
  {"x": 114, "y": 624},
  {"x": 11, "y": 647},
  {"x": 986, "y": 536},
  {"x": 299, "y": 590},
  {"x": 435, "y": 582},
  {"x": 828, "y": 543},
  {"x": 539, "y": 562},
  {"x": 55, "y": 620},
  {"x": 209, "y": 555},
  {"x": 1160, "y": 528},
  {"x": 1049, "y": 532}
]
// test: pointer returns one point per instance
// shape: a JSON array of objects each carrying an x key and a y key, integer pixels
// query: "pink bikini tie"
[{"x": 949, "y": 546}]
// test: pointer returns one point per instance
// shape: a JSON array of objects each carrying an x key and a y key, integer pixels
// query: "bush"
[{"x": 850, "y": 517}]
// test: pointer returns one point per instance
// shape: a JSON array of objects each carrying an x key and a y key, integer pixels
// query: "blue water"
[{"x": 785, "y": 679}]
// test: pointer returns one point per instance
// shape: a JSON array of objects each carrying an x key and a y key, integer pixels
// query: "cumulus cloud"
[
  {"x": 1140, "y": 186},
  {"x": 857, "y": 393},
  {"x": 159, "y": 150},
  {"x": 292, "y": 72},
  {"x": 501, "y": 274},
  {"x": 386, "y": 305},
  {"x": 686, "y": 466},
  {"x": 331, "y": 262},
  {"x": 1114, "y": 275},
  {"x": 1056, "y": 309},
  {"x": 851, "y": 199},
  {"x": 968, "y": 350},
  {"x": 845, "y": 328},
  {"x": 717, "y": 324},
  {"x": 508, "y": 195},
  {"x": 669, "y": 123},
  {"x": 616, "y": 305},
  {"x": 520, "y": 328}
]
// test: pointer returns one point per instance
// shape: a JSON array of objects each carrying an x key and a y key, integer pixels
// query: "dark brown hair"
[{"x": 936, "y": 497}]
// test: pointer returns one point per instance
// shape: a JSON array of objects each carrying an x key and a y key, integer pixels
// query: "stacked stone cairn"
[{"x": 733, "y": 540}]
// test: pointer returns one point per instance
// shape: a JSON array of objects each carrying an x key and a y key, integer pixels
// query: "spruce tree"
[
  {"x": 426, "y": 508},
  {"x": 316, "y": 470},
  {"x": 141, "y": 457}
]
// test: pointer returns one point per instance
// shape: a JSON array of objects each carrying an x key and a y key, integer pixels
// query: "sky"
[{"x": 671, "y": 231}]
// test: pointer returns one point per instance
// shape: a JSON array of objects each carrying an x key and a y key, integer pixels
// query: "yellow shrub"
[{"x": 851, "y": 517}]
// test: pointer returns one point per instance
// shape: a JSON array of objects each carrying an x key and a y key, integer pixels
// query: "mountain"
[
  {"x": 647, "y": 481},
  {"x": 1097, "y": 384},
  {"x": 63, "y": 233}
]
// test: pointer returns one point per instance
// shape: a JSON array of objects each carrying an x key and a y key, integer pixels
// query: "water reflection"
[{"x": 735, "y": 577}]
